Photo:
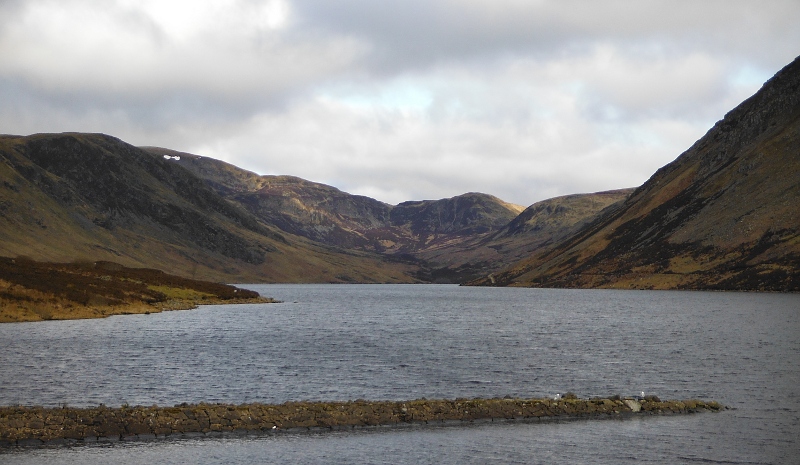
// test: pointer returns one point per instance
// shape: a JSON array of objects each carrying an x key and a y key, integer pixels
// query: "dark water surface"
[{"x": 344, "y": 342}]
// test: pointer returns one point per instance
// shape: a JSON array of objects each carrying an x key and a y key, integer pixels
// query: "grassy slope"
[
  {"x": 66, "y": 197},
  {"x": 35, "y": 291},
  {"x": 722, "y": 216}
]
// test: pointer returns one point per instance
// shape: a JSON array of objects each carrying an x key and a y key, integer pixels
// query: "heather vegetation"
[{"x": 32, "y": 290}]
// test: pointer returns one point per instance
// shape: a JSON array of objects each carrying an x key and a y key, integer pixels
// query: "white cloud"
[
  {"x": 224, "y": 49},
  {"x": 520, "y": 131},
  {"x": 398, "y": 100}
]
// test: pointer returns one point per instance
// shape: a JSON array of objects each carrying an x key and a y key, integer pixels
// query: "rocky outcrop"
[{"x": 37, "y": 425}]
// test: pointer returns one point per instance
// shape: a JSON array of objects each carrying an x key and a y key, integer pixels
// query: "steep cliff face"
[
  {"x": 723, "y": 215},
  {"x": 319, "y": 212},
  {"x": 89, "y": 196}
]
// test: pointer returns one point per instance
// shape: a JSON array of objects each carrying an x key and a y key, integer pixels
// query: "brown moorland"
[
  {"x": 72, "y": 196},
  {"x": 36, "y": 291},
  {"x": 449, "y": 240},
  {"x": 722, "y": 216}
]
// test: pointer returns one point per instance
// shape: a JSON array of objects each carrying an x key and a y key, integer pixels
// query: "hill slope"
[
  {"x": 538, "y": 226},
  {"x": 326, "y": 214},
  {"x": 723, "y": 215},
  {"x": 93, "y": 197},
  {"x": 89, "y": 197},
  {"x": 451, "y": 239}
]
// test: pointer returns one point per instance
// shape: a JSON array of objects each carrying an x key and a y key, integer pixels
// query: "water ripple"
[{"x": 401, "y": 342}]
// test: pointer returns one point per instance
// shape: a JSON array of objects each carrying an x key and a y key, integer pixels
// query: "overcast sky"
[{"x": 397, "y": 100}]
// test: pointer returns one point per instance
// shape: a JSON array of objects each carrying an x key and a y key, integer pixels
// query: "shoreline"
[
  {"x": 41, "y": 291},
  {"x": 174, "y": 305},
  {"x": 34, "y": 426},
  {"x": 62, "y": 313}
]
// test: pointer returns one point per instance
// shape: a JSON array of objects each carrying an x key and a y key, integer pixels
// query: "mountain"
[
  {"x": 555, "y": 216},
  {"x": 537, "y": 227},
  {"x": 326, "y": 214},
  {"x": 316, "y": 211},
  {"x": 723, "y": 215},
  {"x": 450, "y": 240},
  {"x": 90, "y": 197}
]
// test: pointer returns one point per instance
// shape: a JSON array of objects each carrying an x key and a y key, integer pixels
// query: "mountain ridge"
[
  {"x": 88, "y": 197},
  {"x": 93, "y": 197},
  {"x": 293, "y": 203},
  {"x": 447, "y": 237},
  {"x": 722, "y": 215}
]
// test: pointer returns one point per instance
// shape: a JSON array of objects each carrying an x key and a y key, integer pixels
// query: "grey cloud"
[
  {"x": 399, "y": 99},
  {"x": 124, "y": 65},
  {"x": 417, "y": 33},
  {"x": 409, "y": 34},
  {"x": 107, "y": 48}
]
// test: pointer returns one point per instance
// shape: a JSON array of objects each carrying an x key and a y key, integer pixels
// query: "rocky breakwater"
[{"x": 21, "y": 426}]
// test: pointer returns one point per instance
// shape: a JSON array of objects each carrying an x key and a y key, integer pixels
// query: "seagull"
[{"x": 557, "y": 396}]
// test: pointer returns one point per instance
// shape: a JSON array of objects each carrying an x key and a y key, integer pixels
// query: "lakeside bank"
[
  {"x": 42, "y": 291},
  {"x": 31, "y": 426}
]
